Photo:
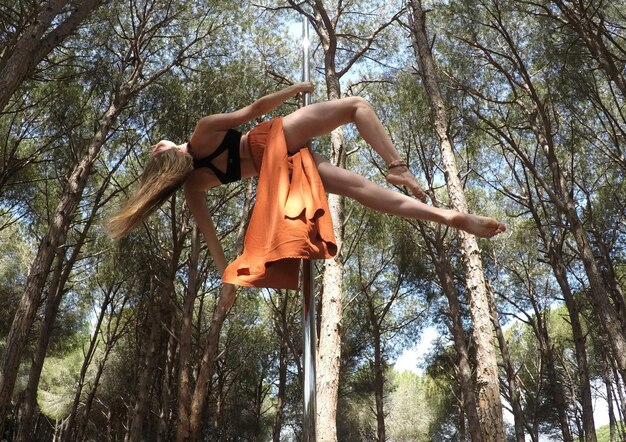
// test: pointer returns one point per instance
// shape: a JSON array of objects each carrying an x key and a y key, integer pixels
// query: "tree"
[{"x": 489, "y": 405}]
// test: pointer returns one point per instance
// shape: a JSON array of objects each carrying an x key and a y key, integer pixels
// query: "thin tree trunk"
[
  {"x": 540, "y": 328},
  {"x": 487, "y": 382},
  {"x": 469, "y": 401},
  {"x": 593, "y": 36},
  {"x": 584, "y": 383},
  {"x": 609, "y": 400},
  {"x": 511, "y": 375},
  {"x": 56, "y": 291},
  {"x": 160, "y": 309},
  {"x": 282, "y": 331},
  {"x": 146, "y": 372},
  {"x": 207, "y": 364},
  {"x": 166, "y": 385},
  {"x": 379, "y": 385},
  {"x": 30, "y": 394},
  {"x": 184, "y": 382},
  {"x": 558, "y": 191}
]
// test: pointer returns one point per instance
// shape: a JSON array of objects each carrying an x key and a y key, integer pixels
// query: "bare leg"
[
  {"x": 344, "y": 182},
  {"x": 322, "y": 118}
]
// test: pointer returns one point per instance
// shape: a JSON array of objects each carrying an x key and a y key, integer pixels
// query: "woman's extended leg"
[
  {"x": 344, "y": 182},
  {"x": 321, "y": 118}
]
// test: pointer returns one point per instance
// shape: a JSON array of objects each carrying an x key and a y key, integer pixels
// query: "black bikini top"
[{"x": 231, "y": 143}]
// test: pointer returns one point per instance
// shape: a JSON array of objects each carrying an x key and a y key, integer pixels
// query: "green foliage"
[
  {"x": 603, "y": 434},
  {"x": 57, "y": 385}
]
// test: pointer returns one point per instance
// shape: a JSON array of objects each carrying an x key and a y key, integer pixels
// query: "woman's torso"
[{"x": 222, "y": 155}]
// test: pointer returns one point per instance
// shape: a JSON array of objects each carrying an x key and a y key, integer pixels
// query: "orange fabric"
[
  {"x": 257, "y": 140},
  {"x": 290, "y": 220}
]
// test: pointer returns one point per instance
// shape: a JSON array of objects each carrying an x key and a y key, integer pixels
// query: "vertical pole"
[{"x": 308, "y": 293}]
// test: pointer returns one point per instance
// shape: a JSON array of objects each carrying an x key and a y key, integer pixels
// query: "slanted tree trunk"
[
  {"x": 207, "y": 364},
  {"x": 555, "y": 184},
  {"x": 146, "y": 370},
  {"x": 584, "y": 384},
  {"x": 487, "y": 382},
  {"x": 591, "y": 29},
  {"x": 53, "y": 239},
  {"x": 112, "y": 333},
  {"x": 37, "y": 40},
  {"x": 57, "y": 288}
]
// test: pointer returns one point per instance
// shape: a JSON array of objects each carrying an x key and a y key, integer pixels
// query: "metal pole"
[{"x": 310, "y": 334}]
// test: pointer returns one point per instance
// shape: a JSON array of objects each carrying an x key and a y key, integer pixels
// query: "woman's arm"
[
  {"x": 263, "y": 105},
  {"x": 197, "y": 205},
  {"x": 195, "y": 186}
]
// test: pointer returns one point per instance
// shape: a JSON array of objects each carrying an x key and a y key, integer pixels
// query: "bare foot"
[
  {"x": 401, "y": 176},
  {"x": 477, "y": 225}
]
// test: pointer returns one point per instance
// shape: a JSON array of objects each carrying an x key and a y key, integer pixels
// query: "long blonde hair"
[{"x": 161, "y": 177}]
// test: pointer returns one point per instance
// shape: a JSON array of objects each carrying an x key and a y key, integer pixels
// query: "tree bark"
[
  {"x": 584, "y": 384},
  {"x": 329, "y": 346},
  {"x": 37, "y": 41},
  {"x": 56, "y": 291},
  {"x": 469, "y": 400},
  {"x": 511, "y": 375},
  {"x": 184, "y": 340},
  {"x": 54, "y": 238},
  {"x": 30, "y": 394},
  {"x": 379, "y": 385},
  {"x": 282, "y": 327},
  {"x": 489, "y": 403},
  {"x": 593, "y": 34},
  {"x": 557, "y": 189},
  {"x": 207, "y": 364}
]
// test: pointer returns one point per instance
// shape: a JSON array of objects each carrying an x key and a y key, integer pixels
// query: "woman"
[{"x": 216, "y": 154}]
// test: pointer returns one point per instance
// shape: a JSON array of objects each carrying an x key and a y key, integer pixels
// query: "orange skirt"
[
  {"x": 257, "y": 141},
  {"x": 290, "y": 220}
]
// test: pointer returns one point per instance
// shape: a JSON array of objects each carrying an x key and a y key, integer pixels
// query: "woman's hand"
[{"x": 304, "y": 86}]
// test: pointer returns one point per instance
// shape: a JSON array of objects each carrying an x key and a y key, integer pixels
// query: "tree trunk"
[
  {"x": 146, "y": 372},
  {"x": 560, "y": 195},
  {"x": 184, "y": 339},
  {"x": 160, "y": 310},
  {"x": 469, "y": 402},
  {"x": 54, "y": 238},
  {"x": 163, "y": 431},
  {"x": 577, "y": 15},
  {"x": 578, "y": 336},
  {"x": 511, "y": 376},
  {"x": 329, "y": 347},
  {"x": 283, "y": 361},
  {"x": 37, "y": 41},
  {"x": 379, "y": 384},
  {"x": 489, "y": 403},
  {"x": 56, "y": 291},
  {"x": 540, "y": 328},
  {"x": 609, "y": 400},
  {"x": 207, "y": 364},
  {"x": 30, "y": 394}
]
